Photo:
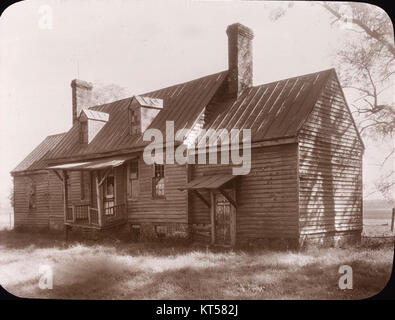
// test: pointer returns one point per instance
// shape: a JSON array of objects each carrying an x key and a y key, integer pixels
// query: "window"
[
  {"x": 109, "y": 195},
  {"x": 68, "y": 182},
  {"x": 133, "y": 179},
  {"x": 32, "y": 196},
  {"x": 158, "y": 181},
  {"x": 85, "y": 185},
  {"x": 134, "y": 121},
  {"x": 84, "y": 132}
]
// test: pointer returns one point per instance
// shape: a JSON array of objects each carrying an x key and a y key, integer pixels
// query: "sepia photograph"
[{"x": 217, "y": 151}]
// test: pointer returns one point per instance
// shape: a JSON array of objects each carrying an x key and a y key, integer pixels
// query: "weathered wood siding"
[
  {"x": 49, "y": 200},
  {"x": 23, "y": 215},
  {"x": 330, "y": 167},
  {"x": 172, "y": 209},
  {"x": 120, "y": 187},
  {"x": 75, "y": 187},
  {"x": 56, "y": 217},
  {"x": 266, "y": 197}
]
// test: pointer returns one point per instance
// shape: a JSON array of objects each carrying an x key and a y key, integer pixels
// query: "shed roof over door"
[
  {"x": 209, "y": 182},
  {"x": 93, "y": 165}
]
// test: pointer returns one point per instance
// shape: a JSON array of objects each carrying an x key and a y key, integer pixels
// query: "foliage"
[{"x": 106, "y": 93}]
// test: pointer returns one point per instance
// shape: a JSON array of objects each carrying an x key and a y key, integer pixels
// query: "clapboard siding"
[
  {"x": 56, "y": 218},
  {"x": 23, "y": 215},
  {"x": 172, "y": 209},
  {"x": 49, "y": 200},
  {"x": 266, "y": 197},
  {"x": 75, "y": 188},
  {"x": 330, "y": 167}
]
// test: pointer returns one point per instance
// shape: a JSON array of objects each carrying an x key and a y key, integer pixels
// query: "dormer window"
[
  {"x": 91, "y": 122},
  {"x": 134, "y": 120},
  {"x": 142, "y": 111}
]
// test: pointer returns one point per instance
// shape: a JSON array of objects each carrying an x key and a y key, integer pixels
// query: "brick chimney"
[
  {"x": 239, "y": 58},
  {"x": 81, "y": 95}
]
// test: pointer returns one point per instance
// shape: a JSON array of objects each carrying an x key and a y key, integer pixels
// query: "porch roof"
[
  {"x": 93, "y": 165},
  {"x": 208, "y": 182}
]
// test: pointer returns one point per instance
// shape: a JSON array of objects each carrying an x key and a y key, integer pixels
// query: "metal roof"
[
  {"x": 208, "y": 182},
  {"x": 35, "y": 160},
  {"x": 182, "y": 103},
  {"x": 92, "y": 165},
  {"x": 150, "y": 102},
  {"x": 95, "y": 115},
  {"x": 274, "y": 110}
]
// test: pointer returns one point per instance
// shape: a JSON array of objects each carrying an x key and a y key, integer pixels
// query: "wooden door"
[
  {"x": 222, "y": 220},
  {"x": 109, "y": 194}
]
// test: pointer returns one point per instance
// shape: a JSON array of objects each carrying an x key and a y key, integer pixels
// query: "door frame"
[{"x": 232, "y": 218}]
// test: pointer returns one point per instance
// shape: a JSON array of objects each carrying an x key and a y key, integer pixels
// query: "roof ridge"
[
  {"x": 145, "y": 94},
  {"x": 55, "y": 135},
  {"x": 295, "y": 77},
  {"x": 185, "y": 82}
]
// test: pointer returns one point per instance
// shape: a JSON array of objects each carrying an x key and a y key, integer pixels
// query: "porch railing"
[
  {"x": 81, "y": 212},
  {"x": 84, "y": 213},
  {"x": 93, "y": 216},
  {"x": 117, "y": 212},
  {"x": 69, "y": 215}
]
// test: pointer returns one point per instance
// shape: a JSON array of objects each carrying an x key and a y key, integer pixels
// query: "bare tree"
[{"x": 366, "y": 65}]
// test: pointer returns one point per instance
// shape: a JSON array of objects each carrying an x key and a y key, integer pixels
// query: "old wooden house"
[
  {"x": 305, "y": 179},
  {"x": 37, "y": 191}
]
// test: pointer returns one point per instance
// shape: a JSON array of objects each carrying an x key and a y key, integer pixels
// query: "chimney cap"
[
  {"x": 240, "y": 29},
  {"x": 81, "y": 83}
]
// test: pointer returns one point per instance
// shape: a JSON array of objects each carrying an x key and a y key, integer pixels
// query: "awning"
[
  {"x": 208, "y": 182},
  {"x": 92, "y": 165},
  {"x": 211, "y": 182}
]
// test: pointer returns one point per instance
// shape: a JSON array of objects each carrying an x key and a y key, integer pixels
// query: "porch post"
[
  {"x": 98, "y": 198},
  {"x": 212, "y": 211},
  {"x": 65, "y": 204},
  {"x": 65, "y": 194}
]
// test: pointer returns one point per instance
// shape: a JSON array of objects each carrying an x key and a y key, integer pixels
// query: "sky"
[{"x": 143, "y": 46}]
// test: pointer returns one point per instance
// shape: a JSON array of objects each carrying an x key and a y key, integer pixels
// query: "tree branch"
[{"x": 372, "y": 33}]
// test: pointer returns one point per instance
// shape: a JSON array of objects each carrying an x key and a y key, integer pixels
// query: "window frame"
[
  {"x": 112, "y": 175},
  {"x": 129, "y": 185},
  {"x": 32, "y": 197},
  {"x": 112, "y": 199},
  {"x": 156, "y": 179},
  {"x": 134, "y": 120},
  {"x": 85, "y": 180}
]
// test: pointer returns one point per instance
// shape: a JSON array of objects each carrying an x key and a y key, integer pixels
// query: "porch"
[
  {"x": 104, "y": 204},
  {"x": 86, "y": 216}
]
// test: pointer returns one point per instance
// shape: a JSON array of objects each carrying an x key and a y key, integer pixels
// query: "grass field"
[{"x": 124, "y": 270}]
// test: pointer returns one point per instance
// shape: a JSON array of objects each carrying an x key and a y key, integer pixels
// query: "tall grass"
[{"x": 124, "y": 270}]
